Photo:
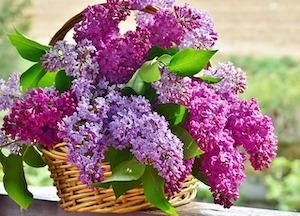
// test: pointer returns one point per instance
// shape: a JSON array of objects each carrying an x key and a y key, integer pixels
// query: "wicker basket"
[{"x": 75, "y": 196}]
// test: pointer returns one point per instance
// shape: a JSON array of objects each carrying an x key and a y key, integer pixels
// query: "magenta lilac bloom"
[
  {"x": 198, "y": 28},
  {"x": 34, "y": 116},
  {"x": 223, "y": 166},
  {"x": 253, "y": 131},
  {"x": 221, "y": 123}
]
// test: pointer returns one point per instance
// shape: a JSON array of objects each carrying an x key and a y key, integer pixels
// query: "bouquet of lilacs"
[{"x": 148, "y": 101}]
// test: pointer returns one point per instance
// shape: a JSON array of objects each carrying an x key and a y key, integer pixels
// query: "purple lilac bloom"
[
  {"x": 198, "y": 27},
  {"x": 233, "y": 79},
  {"x": 77, "y": 60},
  {"x": 141, "y": 4},
  {"x": 108, "y": 118},
  {"x": 9, "y": 91},
  {"x": 253, "y": 131},
  {"x": 34, "y": 116},
  {"x": 172, "y": 88},
  {"x": 223, "y": 166},
  {"x": 208, "y": 117},
  {"x": 165, "y": 29},
  {"x": 1, "y": 138},
  {"x": 100, "y": 23}
]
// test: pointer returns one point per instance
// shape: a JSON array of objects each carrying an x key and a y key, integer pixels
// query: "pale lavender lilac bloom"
[
  {"x": 233, "y": 79},
  {"x": 9, "y": 91}
]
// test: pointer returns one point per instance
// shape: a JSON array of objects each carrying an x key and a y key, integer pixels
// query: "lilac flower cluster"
[
  {"x": 141, "y": 4},
  {"x": 118, "y": 57},
  {"x": 253, "y": 131},
  {"x": 108, "y": 118},
  {"x": 77, "y": 60},
  {"x": 233, "y": 79},
  {"x": 198, "y": 26},
  {"x": 34, "y": 116},
  {"x": 9, "y": 91},
  {"x": 220, "y": 125}
]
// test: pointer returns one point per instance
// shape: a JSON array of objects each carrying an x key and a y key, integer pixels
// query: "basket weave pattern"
[{"x": 76, "y": 197}]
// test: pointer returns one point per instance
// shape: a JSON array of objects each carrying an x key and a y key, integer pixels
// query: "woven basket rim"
[{"x": 76, "y": 197}]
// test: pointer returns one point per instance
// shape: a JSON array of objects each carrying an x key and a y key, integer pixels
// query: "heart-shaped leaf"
[
  {"x": 116, "y": 157},
  {"x": 47, "y": 80},
  {"x": 190, "y": 148},
  {"x": 196, "y": 170},
  {"x": 62, "y": 81},
  {"x": 127, "y": 171},
  {"x": 27, "y": 48},
  {"x": 149, "y": 71},
  {"x": 154, "y": 190},
  {"x": 32, "y": 157},
  {"x": 31, "y": 77},
  {"x": 175, "y": 114},
  {"x": 189, "y": 61},
  {"x": 157, "y": 51},
  {"x": 135, "y": 85},
  {"x": 15, "y": 183}
]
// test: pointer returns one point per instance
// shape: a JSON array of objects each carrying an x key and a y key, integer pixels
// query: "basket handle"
[{"x": 61, "y": 33}]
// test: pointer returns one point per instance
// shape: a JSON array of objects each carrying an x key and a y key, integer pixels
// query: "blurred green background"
[{"x": 272, "y": 79}]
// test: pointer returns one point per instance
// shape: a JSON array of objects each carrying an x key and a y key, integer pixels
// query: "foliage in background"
[
  {"x": 283, "y": 184},
  {"x": 275, "y": 82},
  {"x": 12, "y": 14}
]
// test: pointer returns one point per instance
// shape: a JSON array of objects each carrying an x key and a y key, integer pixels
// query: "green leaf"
[
  {"x": 196, "y": 170},
  {"x": 157, "y": 51},
  {"x": 149, "y": 71},
  {"x": 27, "y": 48},
  {"x": 154, "y": 190},
  {"x": 188, "y": 62},
  {"x": 102, "y": 185},
  {"x": 127, "y": 171},
  {"x": 150, "y": 93},
  {"x": 2, "y": 160},
  {"x": 32, "y": 157},
  {"x": 175, "y": 114},
  {"x": 47, "y": 80},
  {"x": 165, "y": 59},
  {"x": 62, "y": 81},
  {"x": 190, "y": 148},
  {"x": 135, "y": 85},
  {"x": 208, "y": 79},
  {"x": 15, "y": 183},
  {"x": 116, "y": 157},
  {"x": 122, "y": 187},
  {"x": 31, "y": 77},
  {"x": 119, "y": 187}
]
